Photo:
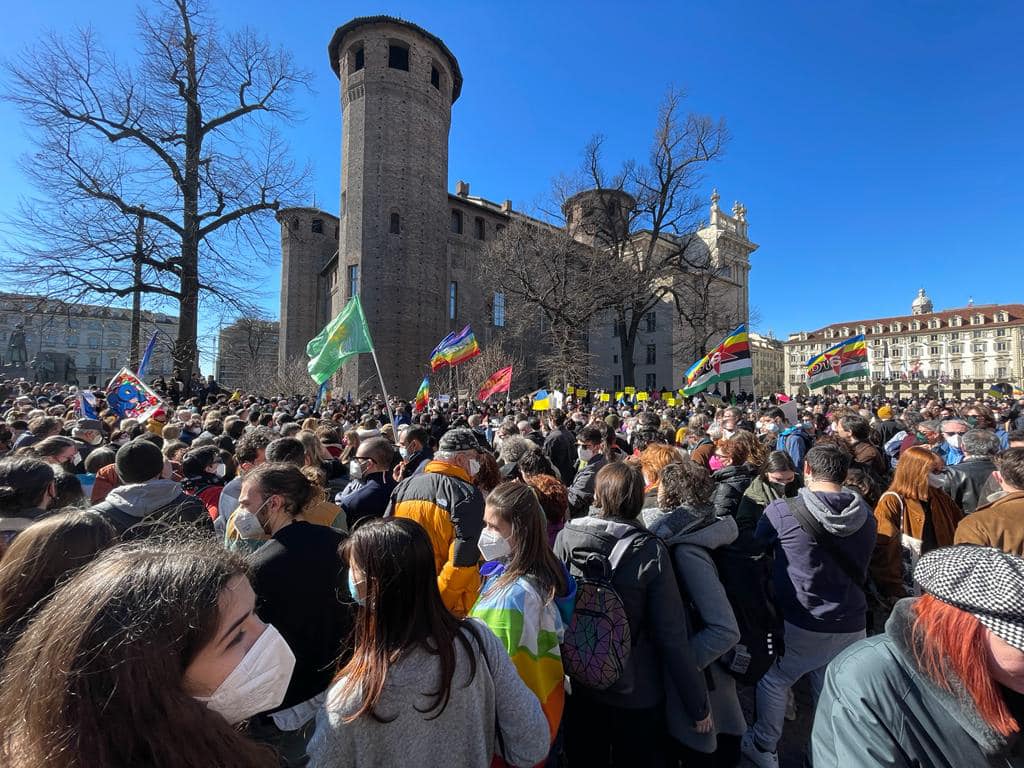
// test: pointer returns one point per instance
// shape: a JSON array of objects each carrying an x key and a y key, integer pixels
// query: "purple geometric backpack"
[{"x": 597, "y": 641}]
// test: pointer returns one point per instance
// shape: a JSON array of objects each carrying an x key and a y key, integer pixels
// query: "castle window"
[
  {"x": 343, "y": 204},
  {"x": 317, "y": 226},
  {"x": 353, "y": 280},
  {"x": 453, "y": 300},
  {"x": 499, "y": 310},
  {"x": 650, "y": 382},
  {"x": 435, "y": 78},
  {"x": 358, "y": 60},
  {"x": 398, "y": 56},
  {"x": 456, "y": 224},
  {"x": 652, "y": 354},
  {"x": 295, "y": 223},
  {"x": 395, "y": 226},
  {"x": 479, "y": 228},
  {"x": 652, "y": 322}
]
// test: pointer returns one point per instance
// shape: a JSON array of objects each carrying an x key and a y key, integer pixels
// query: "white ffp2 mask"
[
  {"x": 258, "y": 683},
  {"x": 493, "y": 546}
]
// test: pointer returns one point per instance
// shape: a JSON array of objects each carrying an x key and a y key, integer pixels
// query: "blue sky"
[{"x": 877, "y": 146}]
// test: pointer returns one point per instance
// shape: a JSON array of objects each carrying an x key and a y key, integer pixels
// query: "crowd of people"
[{"x": 244, "y": 580}]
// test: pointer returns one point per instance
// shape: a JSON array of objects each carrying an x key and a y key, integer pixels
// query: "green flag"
[{"x": 344, "y": 336}]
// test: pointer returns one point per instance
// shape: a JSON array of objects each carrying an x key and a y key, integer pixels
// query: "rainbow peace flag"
[
  {"x": 845, "y": 360},
  {"x": 454, "y": 349},
  {"x": 1018, "y": 391},
  {"x": 422, "y": 395},
  {"x": 729, "y": 360}
]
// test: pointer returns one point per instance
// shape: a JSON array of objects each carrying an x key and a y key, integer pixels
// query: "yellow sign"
[
  {"x": 630, "y": 390},
  {"x": 618, "y": 396},
  {"x": 581, "y": 392},
  {"x": 605, "y": 397},
  {"x": 666, "y": 395},
  {"x": 670, "y": 400},
  {"x": 640, "y": 396}
]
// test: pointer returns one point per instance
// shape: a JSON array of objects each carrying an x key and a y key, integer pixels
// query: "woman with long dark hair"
[
  {"x": 527, "y": 595},
  {"x": 45, "y": 554},
  {"x": 623, "y": 723},
  {"x": 422, "y": 686},
  {"x": 777, "y": 479},
  {"x": 27, "y": 490},
  {"x": 149, "y": 656}
]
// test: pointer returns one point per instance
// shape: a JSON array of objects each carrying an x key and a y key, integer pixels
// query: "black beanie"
[{"x": 139, "y": 461}]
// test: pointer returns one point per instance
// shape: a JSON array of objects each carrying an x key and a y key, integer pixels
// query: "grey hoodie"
[
  {"x": 139, "y": 509},
  {"x": 141, "y": 499},
  {"x": 837, "y": 513}
]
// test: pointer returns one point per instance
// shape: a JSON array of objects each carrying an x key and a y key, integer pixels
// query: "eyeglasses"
[{"x": 952, "y": 433}]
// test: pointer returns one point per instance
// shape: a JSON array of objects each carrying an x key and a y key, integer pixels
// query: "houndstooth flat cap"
[{"x": 983, "y": 581}]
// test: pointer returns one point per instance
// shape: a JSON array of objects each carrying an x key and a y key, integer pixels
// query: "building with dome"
[
  {"x": 409, "y": 248},
  {"x": 954, "y": 352}
]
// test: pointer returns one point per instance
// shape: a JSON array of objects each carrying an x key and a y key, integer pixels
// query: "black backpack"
[{"x": 746, "y": 579}]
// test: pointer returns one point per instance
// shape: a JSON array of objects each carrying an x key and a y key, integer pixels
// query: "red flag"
[
  {"x": 782, "y": 398},
  {"x": 499, "y": 381}
]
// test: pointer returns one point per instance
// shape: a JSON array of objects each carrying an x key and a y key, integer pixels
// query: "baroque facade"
[
  {"x": 953, "y": 352},
  {"x": 769, "y": 361},
  {"x": 409, "y": 248},
  {"x": 83, "y": 343}
]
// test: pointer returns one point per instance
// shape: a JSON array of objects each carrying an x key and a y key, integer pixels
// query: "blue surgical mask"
[{"x": 354, "y": 590}]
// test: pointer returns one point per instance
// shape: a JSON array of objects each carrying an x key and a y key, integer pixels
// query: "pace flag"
[
  {"x": 422, "y": 395},
  {"x": 130, "y": 398},
  {"x": 1018, "y": 391},
  {"x": 846, "y": 360},
  {"x": 454, "y": 348},
  {"x": 499, "y": 381},
  {"x": 345, "y": 336},
  {"x": 729, "y": 360}
]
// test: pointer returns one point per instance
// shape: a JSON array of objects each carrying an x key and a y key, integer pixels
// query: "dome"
[{"x": 922, "y": 304}]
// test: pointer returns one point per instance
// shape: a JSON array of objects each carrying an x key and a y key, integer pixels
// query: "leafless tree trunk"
[{"x": 184, "y": 140}]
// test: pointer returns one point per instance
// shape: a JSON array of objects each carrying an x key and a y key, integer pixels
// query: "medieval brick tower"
[{"x": 398, "y": 83}]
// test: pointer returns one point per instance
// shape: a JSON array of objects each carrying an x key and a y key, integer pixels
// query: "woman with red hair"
[
  {"x": 943, "y": 687},
  {"x": 913, "y": 514}
]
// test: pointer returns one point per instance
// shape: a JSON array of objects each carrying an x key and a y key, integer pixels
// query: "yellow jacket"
[{"x": 451, "y": 509}]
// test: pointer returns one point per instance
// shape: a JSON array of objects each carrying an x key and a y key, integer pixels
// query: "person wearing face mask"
[
  {"x": 88, "y": 435},
  {"x": 777, "y": 479},
  {"x": 133, "y": 680},
  {"x": 298, "y": 576},
  {"x": 981, "y": 417},
  {"x": 445, "y": 502},
  {"x": 914, "y": 514},
  {"x": 60, "y": 451},
  {"x": 368, "y": 493},
  {"x": 423, "y": 687},
  {"x": 943, "y": 686},
  {"x": 414, "y": 447},
  {"x": 527, "y": 595},
  {"x": 732, "y": 473},
  {"x": 204, "y": 471},
  {"x": 951, "y": 448},
  {"x": 148, "y": 501},
  {"x": 26, "y": 492},
  {"x": 590, "y": 443}
]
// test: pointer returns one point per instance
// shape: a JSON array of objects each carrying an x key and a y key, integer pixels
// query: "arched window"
[
  {"x": 356, "y": 59},
  {"x": 435, "y": 77},
  {"x": 398, "y": 56},
  {"x": 456, "y": 224},
  {"x": 395, "y": 225}
]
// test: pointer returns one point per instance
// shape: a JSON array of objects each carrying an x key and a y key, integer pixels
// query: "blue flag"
[
  {"x": 146, "y": 355},
  {"x": 87, "y": 405},
  {"x": 320, "y": 395}
]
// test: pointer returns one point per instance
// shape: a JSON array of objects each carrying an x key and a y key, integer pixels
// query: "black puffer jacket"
[{"x": 730, "y": 485}]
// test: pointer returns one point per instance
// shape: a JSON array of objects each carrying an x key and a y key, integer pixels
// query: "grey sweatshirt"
[{"x": 462, "y": 735}]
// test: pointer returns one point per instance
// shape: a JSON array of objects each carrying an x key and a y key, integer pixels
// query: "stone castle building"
[
  {"x": 956, "y": 352},
  {"x": 408, "y": 248}
]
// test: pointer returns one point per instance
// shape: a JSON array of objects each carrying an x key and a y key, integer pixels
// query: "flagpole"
[{"x": 380, "y": 377}]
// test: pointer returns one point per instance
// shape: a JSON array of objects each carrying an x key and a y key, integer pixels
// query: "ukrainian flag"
[{"x": 540, "y": 400}]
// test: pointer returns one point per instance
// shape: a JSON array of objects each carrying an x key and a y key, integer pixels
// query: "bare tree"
[
  {"x": 644, "y": 220},
  {"x": 184, "y": 142},
  {"x": 545, "y": 278}
]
